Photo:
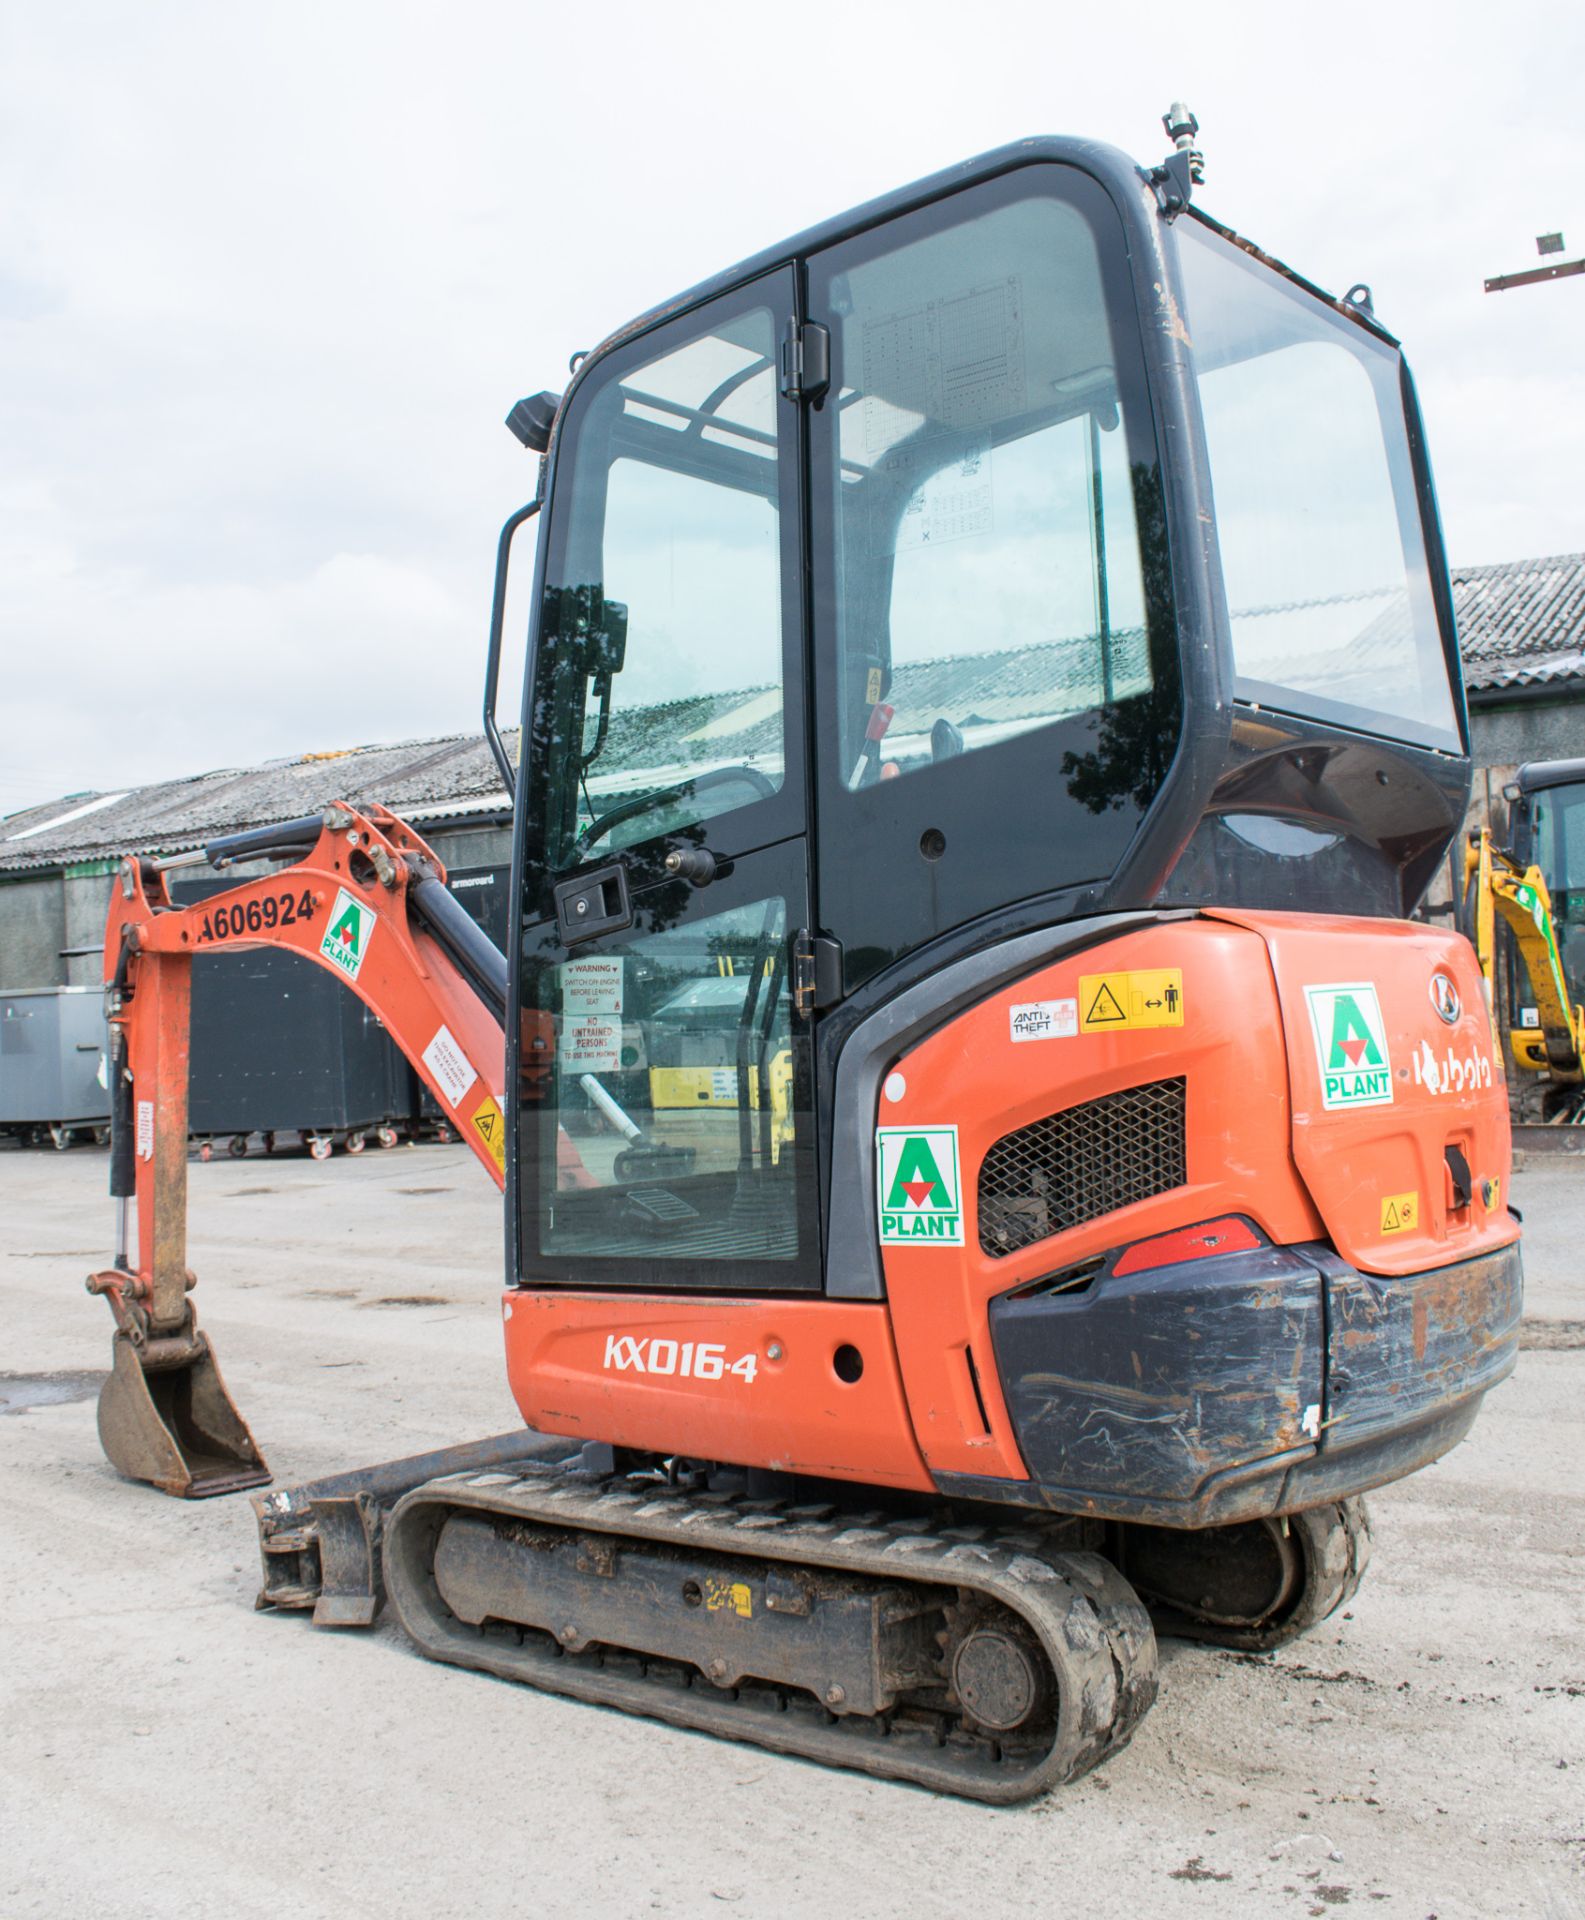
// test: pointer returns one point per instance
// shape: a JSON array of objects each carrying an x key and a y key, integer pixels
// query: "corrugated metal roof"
[
  {"x": 1521, "y": 623},
  {"x": 422, "y": 780}
]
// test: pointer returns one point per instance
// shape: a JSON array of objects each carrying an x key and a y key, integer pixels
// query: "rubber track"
[
  {"x": 1092, "y": 1626},
  {"x": 1335, "y": 1543}
]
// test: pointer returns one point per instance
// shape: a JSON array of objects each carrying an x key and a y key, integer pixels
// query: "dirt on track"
[{"x": 164, "y": 1751}]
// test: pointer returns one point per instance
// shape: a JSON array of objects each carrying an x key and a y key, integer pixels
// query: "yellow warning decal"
[
  {"x": 1400, "y": 1212},
  {"x": 489, "y": 1123},
  {"x": 872, "y": 686},
  {"x": 728, "y": 1596},
  {"x": 1114, "y": 1002}
]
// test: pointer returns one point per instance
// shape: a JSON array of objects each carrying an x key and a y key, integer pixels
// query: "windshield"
[{"x": 1317, "y": 513}]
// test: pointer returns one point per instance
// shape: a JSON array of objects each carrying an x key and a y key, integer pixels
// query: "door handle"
[{"x": 594, "y": 904}]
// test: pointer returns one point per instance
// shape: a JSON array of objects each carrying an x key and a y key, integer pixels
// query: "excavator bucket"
[{"x": 165, "y": 1417}]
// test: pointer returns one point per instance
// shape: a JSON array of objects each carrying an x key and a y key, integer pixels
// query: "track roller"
[
  {"x": 973, "y": 1659},
  {"x": 1257, "y": 1585}
]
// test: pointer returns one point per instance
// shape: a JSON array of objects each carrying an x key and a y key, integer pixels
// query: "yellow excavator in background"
[{"x": 1536, "y": 886}]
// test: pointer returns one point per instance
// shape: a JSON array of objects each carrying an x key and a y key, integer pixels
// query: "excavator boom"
[{"x": 360, "y": 894}]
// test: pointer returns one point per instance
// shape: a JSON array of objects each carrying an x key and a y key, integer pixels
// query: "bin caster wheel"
[
  {"x": 206, "y": 1152},
  {"x": 356, "y": 1143},
  {"x": 320, "y": 1149},
  {"x": 387, "y": 1136},
  {"x": 237, "y": 1146}
]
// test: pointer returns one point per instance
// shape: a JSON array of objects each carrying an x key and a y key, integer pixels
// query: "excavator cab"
[{"x": 1018, "y": 549}]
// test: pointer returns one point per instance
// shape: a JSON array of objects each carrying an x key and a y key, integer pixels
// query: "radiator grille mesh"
[{"x": 1074, "y": 1166}]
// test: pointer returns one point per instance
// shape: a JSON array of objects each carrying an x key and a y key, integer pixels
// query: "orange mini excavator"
[{"x": 992, "y": 707}]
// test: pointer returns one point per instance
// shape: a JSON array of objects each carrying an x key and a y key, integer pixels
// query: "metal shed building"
[{"x": 56, "y": 860}]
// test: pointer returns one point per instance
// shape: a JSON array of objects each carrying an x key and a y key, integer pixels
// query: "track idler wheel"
[{"x": 1256, "y": 1585}]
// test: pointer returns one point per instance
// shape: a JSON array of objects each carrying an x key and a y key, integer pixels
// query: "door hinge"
[
  {"x": 816, "y": 972},
  {"x": 805, "y": 360}
]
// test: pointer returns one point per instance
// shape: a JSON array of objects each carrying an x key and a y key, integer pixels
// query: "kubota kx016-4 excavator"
[{"x": 992, "y": 705}]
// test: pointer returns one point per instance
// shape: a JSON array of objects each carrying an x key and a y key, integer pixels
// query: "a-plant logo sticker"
[
  {"x": 346, "y": 939},
  {"x": 919, "y": 1186},
  {"x": 1350, "y": 1046}
]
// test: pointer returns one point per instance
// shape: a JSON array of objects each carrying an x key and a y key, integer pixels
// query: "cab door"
[{"x": 664, "y": 1135}]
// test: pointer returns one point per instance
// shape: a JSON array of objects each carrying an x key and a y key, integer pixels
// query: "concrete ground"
[{"x": 166, "y": 1751}]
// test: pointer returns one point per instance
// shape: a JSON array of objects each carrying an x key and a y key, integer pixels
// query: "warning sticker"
[
  {"x": 1114, "y": 1002},
  {"x": 918, "y": 1185},
  {"x": 346, "y": 940},
  {"x": 591, "y": 986},
  {"x": 591, "y": 1043},
  {"x": 728, "y": 1596},
  {"x": 1400, "y": 1212},
  {"x": 1044, "y": 1020},
  {"x": 489, "y": 1123},
  {"x": 1350, "y": 1046},
  {"x": 449, "y": 1064},
  {"x": 145, "y": 1146}
]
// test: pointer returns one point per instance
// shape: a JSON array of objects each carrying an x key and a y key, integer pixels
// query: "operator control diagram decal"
[
  {"x": 1350, "y": 1046},
  {"x": 1116, "y": 1002},
  {"x": 346, "y": 941},
  {"x": 919, "y": 1186}
]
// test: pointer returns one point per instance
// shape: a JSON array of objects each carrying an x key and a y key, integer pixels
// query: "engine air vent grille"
[{"x": 1071, "y": 1167}]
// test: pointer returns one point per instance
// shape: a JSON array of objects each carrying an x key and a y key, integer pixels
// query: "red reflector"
[{"x": 1228, "y": 1235}]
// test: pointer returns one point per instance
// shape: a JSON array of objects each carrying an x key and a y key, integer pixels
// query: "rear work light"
[{"x": 1230, "y": 1234}]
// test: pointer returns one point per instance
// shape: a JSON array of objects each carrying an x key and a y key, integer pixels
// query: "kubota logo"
[
  {"x": 918, "y": 1186},
  {"x": 1350, "y": 1046},
  {"x": 346, "y": 939}
]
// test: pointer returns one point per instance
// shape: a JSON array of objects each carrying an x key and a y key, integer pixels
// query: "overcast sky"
[{"x": 271, "y": 277}]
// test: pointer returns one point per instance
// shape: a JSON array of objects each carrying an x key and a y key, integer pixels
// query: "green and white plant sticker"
[
  {"x": 346, "y": 939},
  {"x": 1350, "y": 1046},
  {"x": 919, "y": 1186}
]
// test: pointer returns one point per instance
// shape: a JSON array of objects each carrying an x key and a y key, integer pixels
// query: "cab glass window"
[
  {"x": 1317, "y": 511},
  {"x": 658, "y": 701},
  {"x": 988, "y": 568}
]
